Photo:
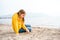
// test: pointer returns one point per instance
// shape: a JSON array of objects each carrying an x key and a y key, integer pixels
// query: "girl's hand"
[{"x": 27, "y": 31}]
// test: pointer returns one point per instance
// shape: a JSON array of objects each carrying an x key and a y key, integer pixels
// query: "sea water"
[{"x": 37, "y": 21}]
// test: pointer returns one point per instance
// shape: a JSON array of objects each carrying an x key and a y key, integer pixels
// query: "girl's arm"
[
  {"x": 25, "y": 28},
  {"x": 15, "y": 24}
]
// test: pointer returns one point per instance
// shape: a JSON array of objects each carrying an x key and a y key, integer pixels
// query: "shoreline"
[{"x": 46, "y": 26}]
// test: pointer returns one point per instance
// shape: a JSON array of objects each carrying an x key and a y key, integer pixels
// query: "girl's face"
[{"x": 22, "y": 15}]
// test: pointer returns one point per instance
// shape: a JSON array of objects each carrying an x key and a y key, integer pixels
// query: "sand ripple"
[{"x": 6, "y": 33}]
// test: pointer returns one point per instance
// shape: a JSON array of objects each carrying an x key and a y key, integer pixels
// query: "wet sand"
[{"x": 38, "y": 33}]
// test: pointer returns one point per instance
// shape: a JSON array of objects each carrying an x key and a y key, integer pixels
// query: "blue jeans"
[{"x": 22, "y": 30}]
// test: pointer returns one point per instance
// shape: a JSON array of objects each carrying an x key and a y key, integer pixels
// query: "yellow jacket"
[{"x": 17, "y": 23}]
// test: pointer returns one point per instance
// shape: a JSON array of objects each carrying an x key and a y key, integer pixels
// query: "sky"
[
  {"x": 40, "y": 12},
  {"x": 49, "y": 7}
]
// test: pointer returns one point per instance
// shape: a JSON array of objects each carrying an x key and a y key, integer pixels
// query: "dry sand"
[{"x": 38, "y": 33}]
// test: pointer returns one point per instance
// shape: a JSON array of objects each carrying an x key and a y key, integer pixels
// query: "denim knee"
[{"x": 29, "y": 27}]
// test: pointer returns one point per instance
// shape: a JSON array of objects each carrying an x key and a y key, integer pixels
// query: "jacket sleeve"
[
  {"x": 15, "y": 24},
  {"x": 24, "y": 27}
]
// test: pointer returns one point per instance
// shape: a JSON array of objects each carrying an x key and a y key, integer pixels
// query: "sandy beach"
[{"x": 38, "y": 33}]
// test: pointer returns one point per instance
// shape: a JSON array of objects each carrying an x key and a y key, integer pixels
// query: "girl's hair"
[{"x": 21, "y": 12}]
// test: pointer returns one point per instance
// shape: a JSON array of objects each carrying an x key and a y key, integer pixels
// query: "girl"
[{"x": 18, "y": 22}]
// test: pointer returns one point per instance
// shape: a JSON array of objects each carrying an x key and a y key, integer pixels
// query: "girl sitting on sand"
[{"x": 18, "y": 22}]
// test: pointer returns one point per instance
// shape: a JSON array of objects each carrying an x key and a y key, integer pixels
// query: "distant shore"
[{"x": 5, "y": 17}]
